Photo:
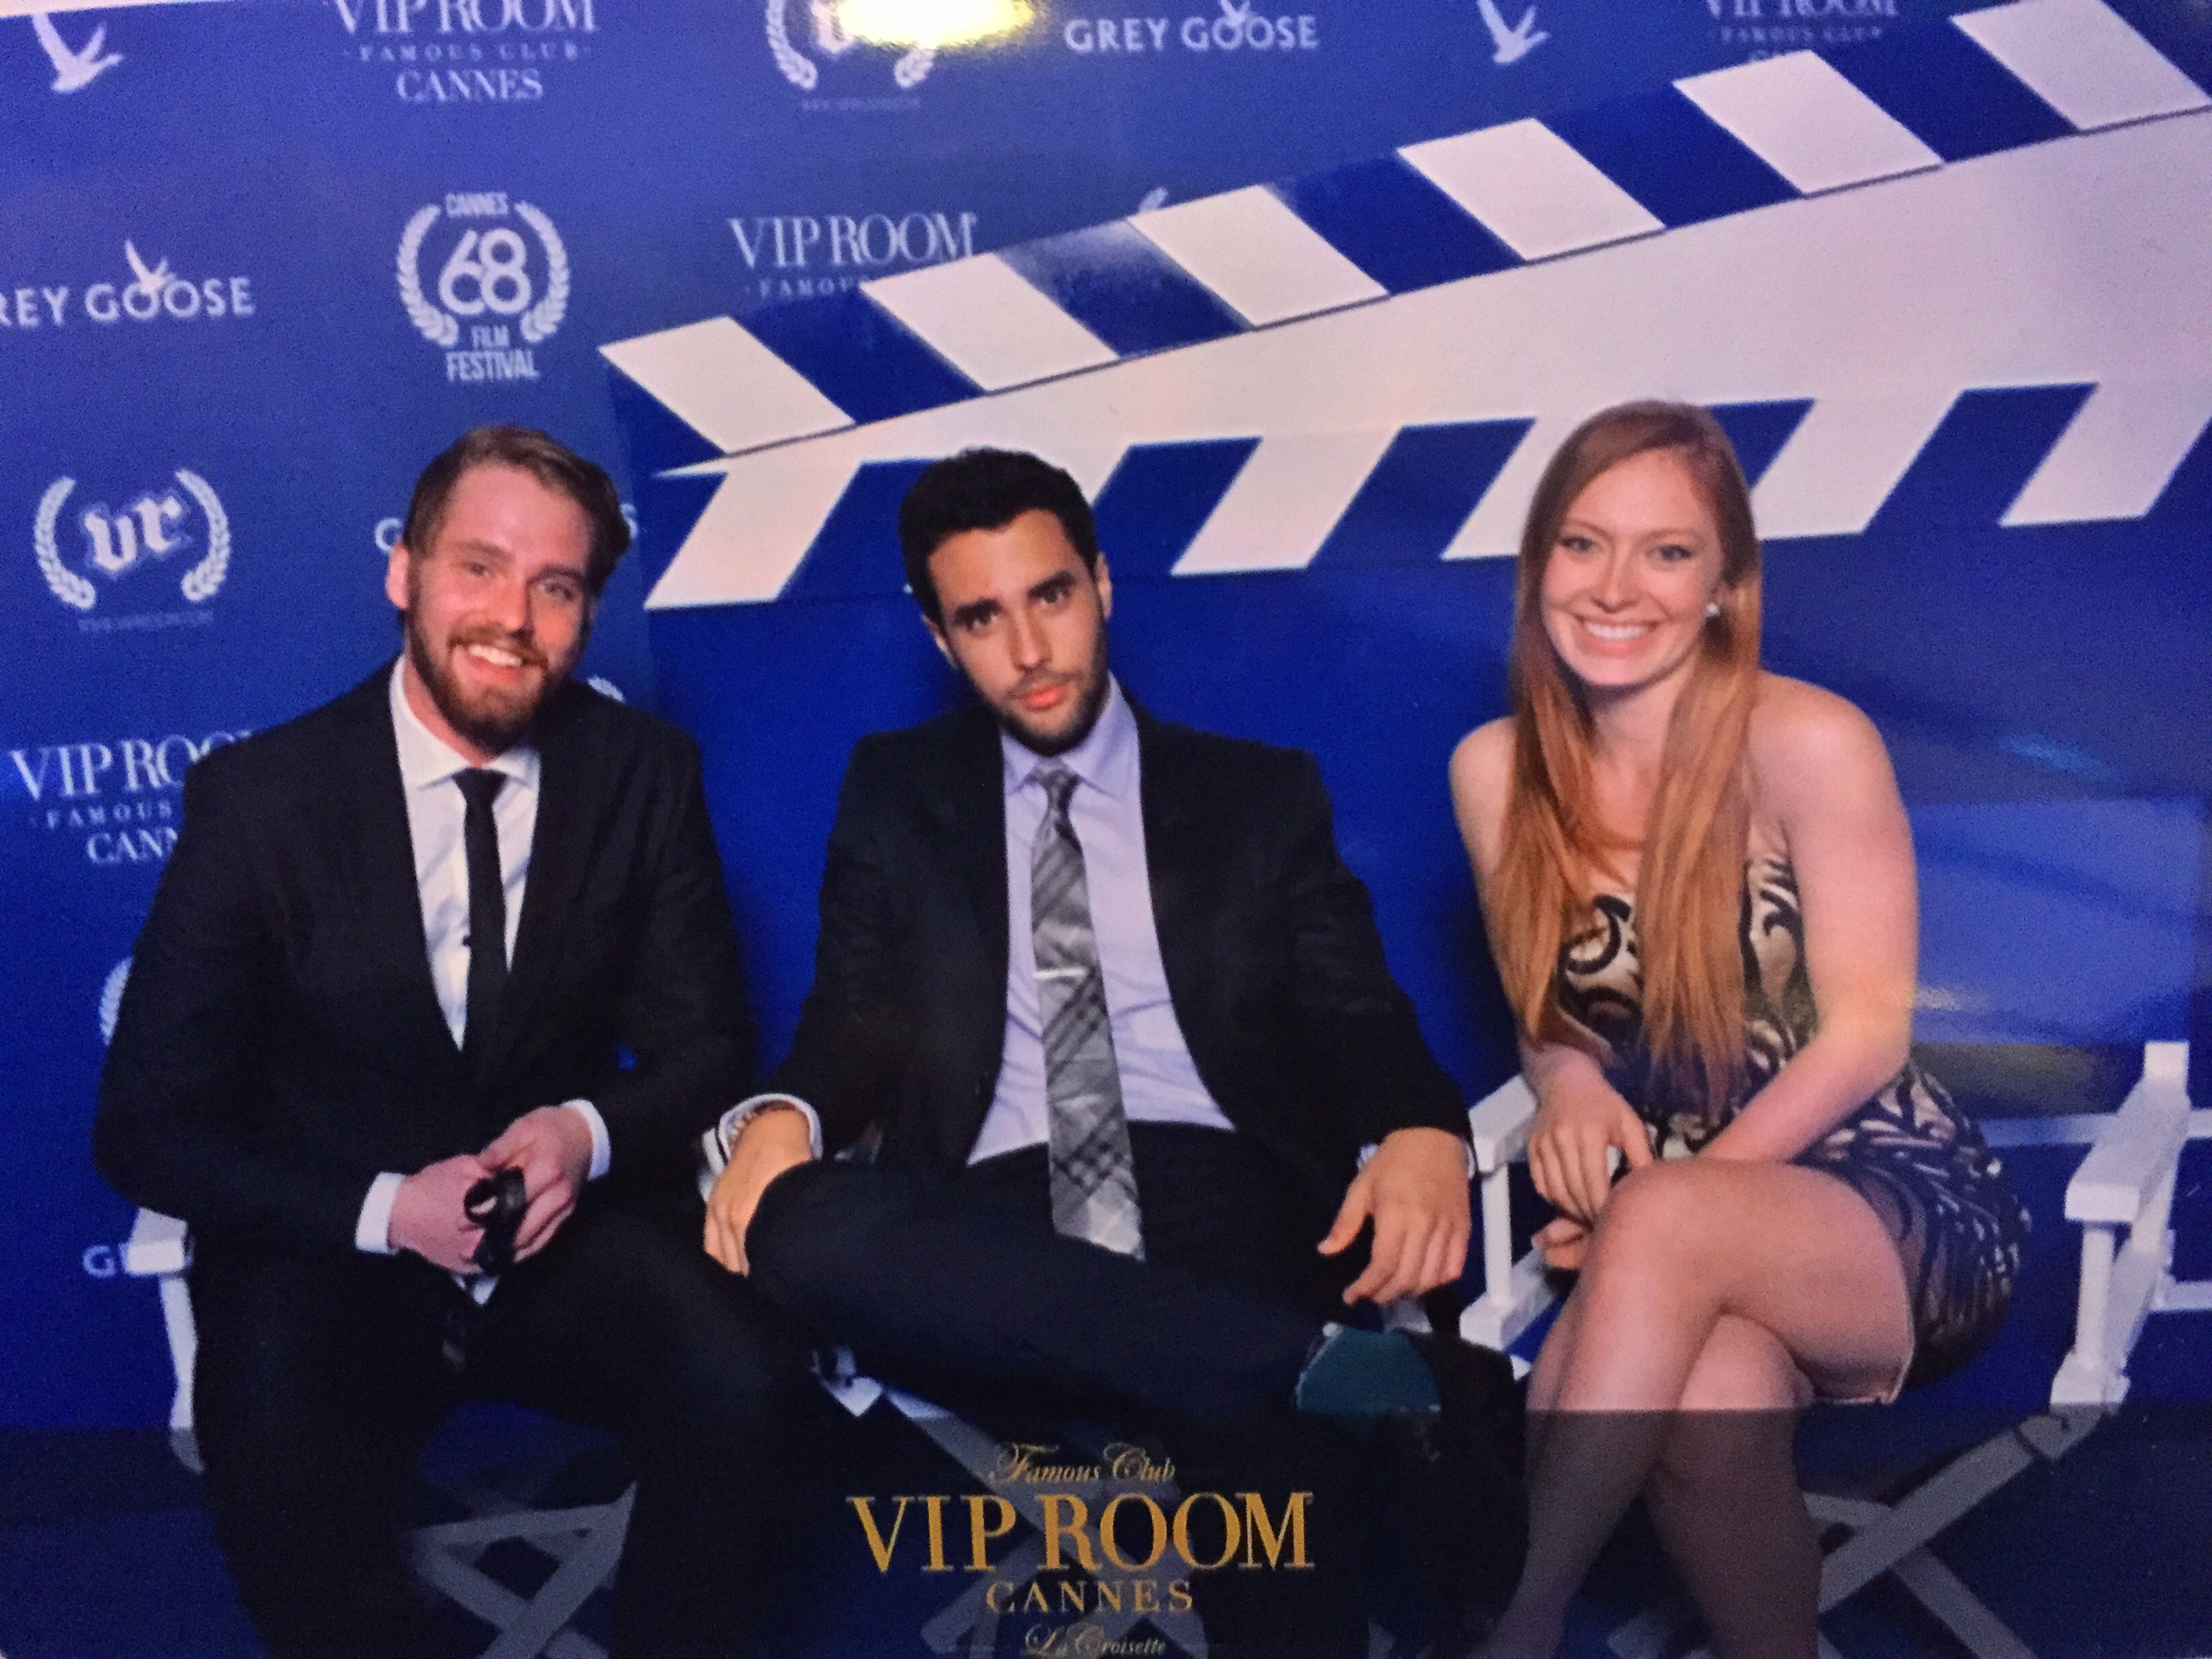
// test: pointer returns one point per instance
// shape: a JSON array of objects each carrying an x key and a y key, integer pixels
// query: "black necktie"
[{"x": 487, "y": 912}]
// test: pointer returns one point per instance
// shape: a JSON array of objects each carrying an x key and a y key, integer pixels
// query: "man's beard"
[
  {"x": 1050, "y": 744},
  {"x": 494, "y": 726}
]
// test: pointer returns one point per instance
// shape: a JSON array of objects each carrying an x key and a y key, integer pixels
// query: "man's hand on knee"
[
  {"x": 427, "y": 1216},
  {"x": 552, "y": 1147},
  {"x": 775, "y": 1138},
  {"x": 1414, "y": 1190}
]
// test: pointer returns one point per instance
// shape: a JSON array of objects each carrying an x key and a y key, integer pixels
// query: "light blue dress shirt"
[{"x": 1159, "y": 1083}]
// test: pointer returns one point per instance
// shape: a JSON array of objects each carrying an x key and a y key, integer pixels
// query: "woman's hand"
[
  {"x": 1562, "y": 1239},
  {"x": 1578, "y": 1119}
]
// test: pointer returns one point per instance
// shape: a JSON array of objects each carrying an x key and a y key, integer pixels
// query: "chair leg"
[
  {"x": 587, "y": 1540},
  {"x": 1962, "y": 1613},
  {"x": 1892, "y": 1539}
]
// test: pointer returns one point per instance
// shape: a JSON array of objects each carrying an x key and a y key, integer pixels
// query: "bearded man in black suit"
[
  {"x": 401, "y": 945},
  {"x": 1118, "y": 1016}
]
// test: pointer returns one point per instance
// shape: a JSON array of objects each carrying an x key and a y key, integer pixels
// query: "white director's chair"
[
  {"x": 585, "y": 1541},
  {"x": 2044, "y": 924},
  {"x": 2121, "y": 1196}
]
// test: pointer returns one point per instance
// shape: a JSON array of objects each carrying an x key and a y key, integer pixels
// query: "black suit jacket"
[
  {"x": 280, "y": 1042},
  {"x": 1274, "y": 964}
]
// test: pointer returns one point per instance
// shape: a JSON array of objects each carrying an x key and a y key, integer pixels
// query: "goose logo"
[
  {"x": 831, "y": 41},
  {"x": 1511, "y": 46},
  {"x": 510, "y": 301},
  {"x": 155, "y": 293},
  {"x": 119, "y": 544},
  {"x": 74, "y": 68}
]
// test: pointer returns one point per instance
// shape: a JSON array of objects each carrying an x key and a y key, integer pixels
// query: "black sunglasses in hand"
[{"x": 497, "y": 1204}]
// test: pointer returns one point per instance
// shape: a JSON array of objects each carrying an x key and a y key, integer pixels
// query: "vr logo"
[{"x": 142, "y": 529}]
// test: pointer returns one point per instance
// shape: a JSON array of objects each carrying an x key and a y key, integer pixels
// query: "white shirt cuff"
[
  {"x": 603, "y": 1152},
  {"x": 373, "y": 1232},
  {"x": 1375, "y": 1146},
  {"x": 717, "y": 1141}
]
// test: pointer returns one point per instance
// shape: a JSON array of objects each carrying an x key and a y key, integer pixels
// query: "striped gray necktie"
[{"x": 1094, "y": 1177}]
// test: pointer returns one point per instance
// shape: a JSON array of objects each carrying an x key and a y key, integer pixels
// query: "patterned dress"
[{"x": 1909, "y": 1151}]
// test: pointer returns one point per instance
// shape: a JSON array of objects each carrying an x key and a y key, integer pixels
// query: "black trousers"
[
  {"x": 957, "y": 1288},
  {"x": 319, "y": 1381}
]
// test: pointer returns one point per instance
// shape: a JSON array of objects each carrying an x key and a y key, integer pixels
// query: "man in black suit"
[
  {"x": 401, "y": 945},
  {"x": 1120, "y": 1016}
]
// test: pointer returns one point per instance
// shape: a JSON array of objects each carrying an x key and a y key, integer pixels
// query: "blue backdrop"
[{"x": 259, "y": 261}]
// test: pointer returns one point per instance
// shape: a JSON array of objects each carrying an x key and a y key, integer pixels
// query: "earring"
[{"x": 1712, "y": 609}]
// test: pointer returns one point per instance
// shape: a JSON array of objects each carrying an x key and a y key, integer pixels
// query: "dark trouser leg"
[
  {"x": 316, "y": 1386},
  {"x": 624, "y": 1323},
  {"x": 959, "y": 1286}
]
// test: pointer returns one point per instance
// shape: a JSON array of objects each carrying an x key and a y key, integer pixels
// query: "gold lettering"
[
  {"x": 1106, "y": 1538},
  {"x": 1071, "y": 1595},
  {"x": 1126, "y": 1462},
  {"x": 1110, "y": 1595},
  {"x": 1144, "y": 1596},
  {"x": 1054, "y": 1526},
  {"x": 1017, "y": 1462},
  {"x": 979, "y": 1535},
  {"x": 933, "y": 1506},
  {"x": 1183, "y": 1530},
  {"x": 1179, "y": 1595},
  {"x": 1035, "y": 1601},
  {"x": 878, "y": 1546},
  {"x": 990, "y": 1595},
  {"x": 1257, "y": 1529}
]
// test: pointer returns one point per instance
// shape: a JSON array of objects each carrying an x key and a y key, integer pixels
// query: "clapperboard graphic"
[{"x": 1838, "y": 251}]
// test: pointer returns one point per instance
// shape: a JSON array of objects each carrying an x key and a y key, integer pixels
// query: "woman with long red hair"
[{"x": 1698, "y": 883}]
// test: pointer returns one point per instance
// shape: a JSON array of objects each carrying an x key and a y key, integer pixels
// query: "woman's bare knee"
[
  {"x": 1651, "y": 1217},
  {"x": 1744, "y": 1367}
]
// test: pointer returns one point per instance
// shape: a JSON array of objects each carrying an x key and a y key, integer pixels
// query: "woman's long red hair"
[{"x": 1557, "y": 853}]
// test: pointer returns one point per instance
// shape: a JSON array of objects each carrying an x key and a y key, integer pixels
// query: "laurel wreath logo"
[
  {"x": 798, "y": 67},
  {"x": 71, "y": 589},
  {"x": 110, "y": 998},
  {"x": 910, "y": 71},
  {"x": 201, "y": 582},
  {"x": 436, "y": 326},
  {"x": 542, "y": 318}
]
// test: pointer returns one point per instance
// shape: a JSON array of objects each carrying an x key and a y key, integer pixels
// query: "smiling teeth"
[
  {"x": 1619, "y": 631},
  {"x": 493, "y": 654}
]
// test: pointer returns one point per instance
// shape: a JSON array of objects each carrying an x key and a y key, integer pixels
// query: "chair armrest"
[
  {"x": 1515, "y": 1291},
  {"x": 1499, "y": 1125},
  {"x": 2132, "y": 1153},
  {"x": 159, "y": 1245}
]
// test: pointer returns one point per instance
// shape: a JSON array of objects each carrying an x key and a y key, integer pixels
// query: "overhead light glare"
[{"x": 931, "y": 22}]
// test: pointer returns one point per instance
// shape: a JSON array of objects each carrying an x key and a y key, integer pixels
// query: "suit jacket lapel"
[
  {"x": 1178, "y": 861},
  {"x": 391, "y": 914},
  {"x": 569, "y": 797},
  {"x": 969, "y": 810}
]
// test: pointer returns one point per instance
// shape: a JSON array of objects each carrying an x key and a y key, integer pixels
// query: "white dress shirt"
[{"x": 436, "y": 819}]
